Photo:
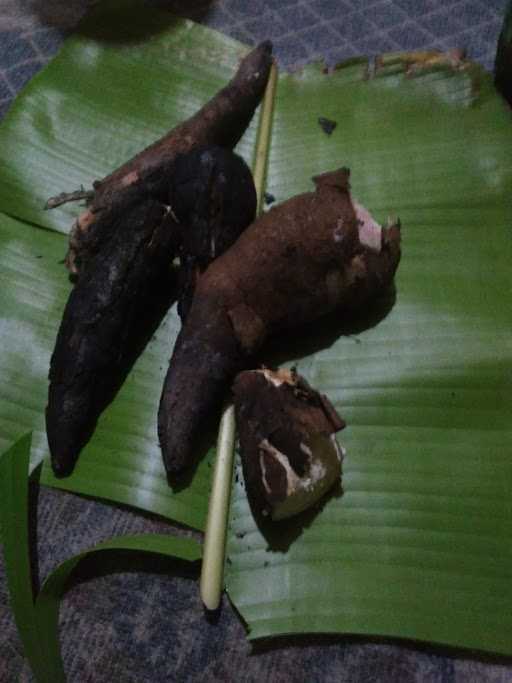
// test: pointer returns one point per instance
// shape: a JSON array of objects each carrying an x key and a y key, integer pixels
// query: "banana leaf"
[{"x": 417, "y": 544}]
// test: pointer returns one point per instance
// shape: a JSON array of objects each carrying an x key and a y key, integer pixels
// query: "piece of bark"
[
  {"x": 314, "y": 254},
  {"x": 290, "y": 457},
  {"x": 222, "y": 121},
  {"x": 111, "y": 314}
]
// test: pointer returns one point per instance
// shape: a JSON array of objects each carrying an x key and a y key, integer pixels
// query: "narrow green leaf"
[
  {"x": 37, "y": 619},
  {"x": 50, "y": 596},
  {"x": 14, "y": 522}
]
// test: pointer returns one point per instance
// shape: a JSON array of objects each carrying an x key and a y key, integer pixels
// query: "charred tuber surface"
[
  {"x": 290, "y": 457},
  {"x": 110, "y": 316},
  {"x": 222, "y": 122},
  {"x": 313, "y": 254},
  {"x": 214, "y": 199}
]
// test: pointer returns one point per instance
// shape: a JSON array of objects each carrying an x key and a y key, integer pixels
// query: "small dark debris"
[
  {"x": 327, "y": 125},
  {"x": 266, "y": 563},
  {"x": 269, "y": 198},
  {"x": 453, "y": 394},
  {"x": 240, "y": 534},
  {"x": 39, "y": 256},
  {"x": 228, "y": 560}
]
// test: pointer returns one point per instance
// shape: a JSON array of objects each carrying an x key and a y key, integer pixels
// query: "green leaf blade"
[
  {"x": 52, "y": 591},
  {"x": 417, "y": 545}
]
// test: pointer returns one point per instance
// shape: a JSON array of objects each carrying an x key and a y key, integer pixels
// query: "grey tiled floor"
[{"x": 32, "y": 30}]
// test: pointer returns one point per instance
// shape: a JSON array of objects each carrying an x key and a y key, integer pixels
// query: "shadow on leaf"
[
  {"x": 281, "y": 534},
  {"x": 322, "y": 334}
]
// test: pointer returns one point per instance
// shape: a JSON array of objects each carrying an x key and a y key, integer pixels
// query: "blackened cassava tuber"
[
  {"x": 313, "y": 254},
  {"x": 290, "y": 457},
  {"x": 110, "y": 315},
  {"x": 222, "y": 121},
  {"x": 126, "y": 289},
  {"x": 214, "y": 199}
]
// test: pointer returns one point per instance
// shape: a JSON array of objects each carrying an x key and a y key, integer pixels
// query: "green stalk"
[
  {"x": 212, "y": 569},
  {"x": 216, "y": 522}
]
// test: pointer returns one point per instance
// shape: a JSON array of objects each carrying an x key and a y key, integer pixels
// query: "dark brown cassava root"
[
  {"x": 110, "y": 315},
  {"x": 313, "y": 254},
  {"x": 290, "y": 458},
  {"x": 222, "y": 122},
  {"x": 126, "y": 289},
  {"x": 214, "y": 199}
]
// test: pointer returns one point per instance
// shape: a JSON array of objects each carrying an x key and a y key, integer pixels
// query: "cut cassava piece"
[
  {"x": 126, "y": 289},
  {"x": 221, "y": 121},
  {"x": 290, "y": 457},
  {"x": 313, "y": 254}
]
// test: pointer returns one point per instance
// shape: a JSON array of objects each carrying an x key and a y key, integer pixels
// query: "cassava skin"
[
  {"x": 299, "y": 261},
  {"x": 290, "y": 458},
  {"x": 214, "y": 199},
  {"x": 126, "y": 289},
  {"x": 109, "y": 317},
  {"x": 222, "y": 122}
]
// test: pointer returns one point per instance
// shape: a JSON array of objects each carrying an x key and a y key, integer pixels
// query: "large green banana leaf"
[{"x": 418, "y": 544}]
